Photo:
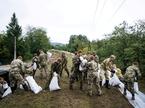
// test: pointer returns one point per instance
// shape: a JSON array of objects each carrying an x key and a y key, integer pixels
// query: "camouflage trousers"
[
  {"x": 129, "y": 85},
  {"x": 76, "y": 76},
  {"x": 64, "y": 68},
  {"x": 44, "y": 68},
  {"x": 104, "y": 74},
  {"x": 93, "y": 80},
  {"x": 16, "y": 78}
]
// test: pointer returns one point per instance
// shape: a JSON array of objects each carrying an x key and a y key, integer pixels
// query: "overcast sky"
[{"x": 62, "y": 18}]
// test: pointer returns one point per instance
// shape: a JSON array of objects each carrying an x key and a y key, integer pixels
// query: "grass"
[{"x": 64, "y": 98}]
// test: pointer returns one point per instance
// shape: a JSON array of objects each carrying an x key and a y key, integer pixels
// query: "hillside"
[{"x": 64, "y": 98}]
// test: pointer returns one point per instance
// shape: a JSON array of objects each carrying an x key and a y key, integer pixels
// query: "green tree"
[
  {"x": 4, "y": 52},
  {"x": 78, "y": 42},
  {"x": 14, "y": 31},
  {"x": 36, "y": 38}
]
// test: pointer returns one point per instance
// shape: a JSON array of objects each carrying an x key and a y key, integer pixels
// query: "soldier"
[
  {"x": 93, "y": 76},
  {"x": 76, "y": 74},
  {"x": 17, "y": 70},
  {"x": 43, "y": 63},
  {"x": 106, "y": 66},
  {"x": 55, "y": 67},
  {"x": 131, "y": 75},
  {"x": 96, "y": 57},
  {"x": 118, "y": 72},
  {"x": 35, "y": 63},
  {"x": 64, "y": 64}
]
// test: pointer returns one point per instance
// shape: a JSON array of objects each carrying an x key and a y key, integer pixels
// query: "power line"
[
  {"x": 95, "y": 13},
  {"x": 123, "y": 1},
  {"x": 104, "y": 3}
]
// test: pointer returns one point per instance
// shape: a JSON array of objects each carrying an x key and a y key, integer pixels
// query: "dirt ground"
[{"x": 65, "y": 98}]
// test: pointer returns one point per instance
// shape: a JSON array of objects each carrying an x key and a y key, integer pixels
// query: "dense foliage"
[
  {"x": 26, "y": 45},
  {"x": 127, "y": 42}
]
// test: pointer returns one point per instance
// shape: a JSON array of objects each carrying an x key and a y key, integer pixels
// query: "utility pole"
[{"x": 14, "y": 47}]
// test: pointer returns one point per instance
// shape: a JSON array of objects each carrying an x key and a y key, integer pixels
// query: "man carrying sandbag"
[
  {"x": 106, "y": 66},
  {"x": 131, "y": 75},
  {"x": 17, "y": 71},
  {"x": 55, "y": 67}
]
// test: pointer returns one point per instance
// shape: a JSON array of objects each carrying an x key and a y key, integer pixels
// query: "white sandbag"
[
  {"x": 141, "y": 96},
  {"x": 82, "y": 65},
  {"x": 49, "y": 54},
  {"x": 114, "y": 80},
  {"x": 5, "y": 86},
  {"x": 7, "y": 92},
  {"x": 34, "y": 66},
  {"x": 33, "y": 85},
  {"x": 136, "y": 87},
  {"x": 54, "y": 83},
  {"x": 102, "y": 73}
]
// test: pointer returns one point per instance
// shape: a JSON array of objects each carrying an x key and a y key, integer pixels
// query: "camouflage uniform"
[
  {"x": 93, "y": 77},
  {"x": 132, "y": 72},
  {"x": 43, "y": 63},
  {"x": 55, "y": 67},
  {"x": 76, "y": 73},
  {"x": 106, "y": 66},
  {"x": 64, "y": 64},
  {"x": 17, "y": 71}
]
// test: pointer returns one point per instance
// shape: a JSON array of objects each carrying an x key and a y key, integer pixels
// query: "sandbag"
[
  {"x": 136, "y": 87},
  {"x": 49, "y": 54},
  {"x": 34, "y": 66},
  {"x": 33, "y": 85},
  {"x": 7, "y": 92},
  {"x": 82, "y": 64},
  {"x": 114, "y": 80},
  {"x": 54, "y": 83}
]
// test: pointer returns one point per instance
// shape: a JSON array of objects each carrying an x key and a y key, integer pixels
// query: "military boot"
[
  {"x": 100, "y": 83},
  {"x": 133, "y": 96},
  {"x": 107, "y": 84},
  {"x": 25, "y": 87},
  {"x": 124, "y": 93},
  {"x": 13, "y": 87}
]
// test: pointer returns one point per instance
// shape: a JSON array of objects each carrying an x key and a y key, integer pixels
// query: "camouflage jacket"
[
  {"x": 17, "y": 66},
  {"x": 106, "y": 64},
  {"x": 76, "y": 62},
  {"x": 132, "y": 72},
  {"x": 55, "y": 67},
  {"x": 43, "y": 59},
  {"x": 92, "y": 66}
]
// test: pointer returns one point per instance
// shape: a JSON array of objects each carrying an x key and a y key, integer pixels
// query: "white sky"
[{"x": 62, "y": 18}]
